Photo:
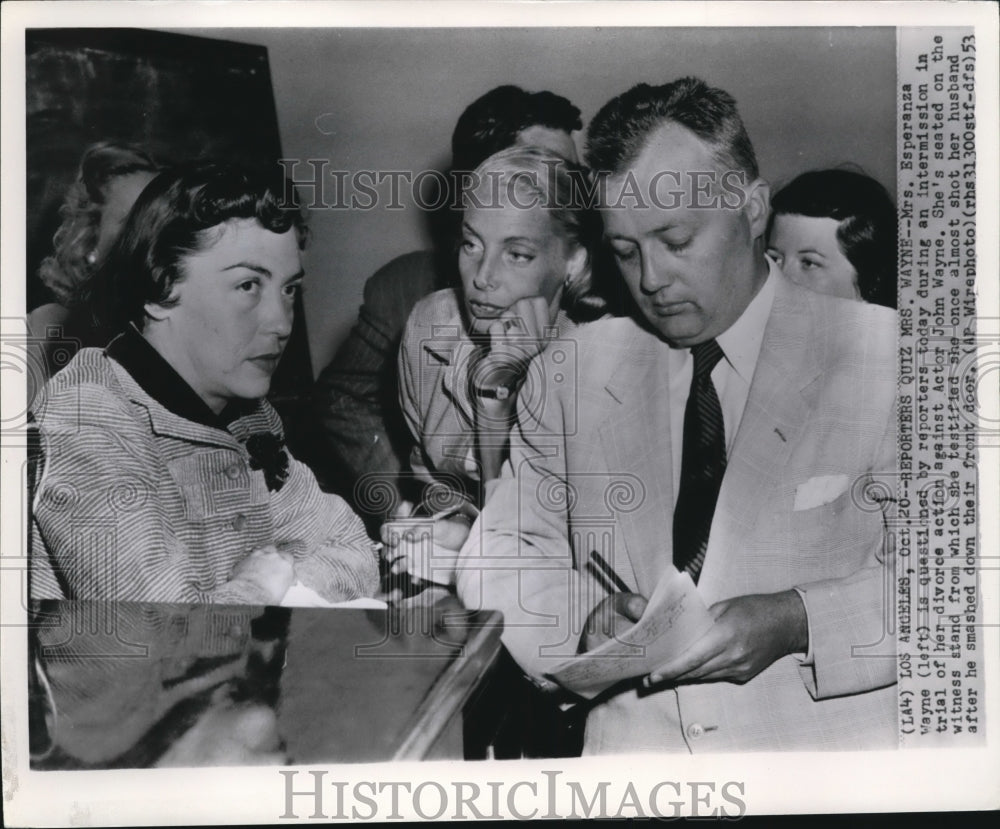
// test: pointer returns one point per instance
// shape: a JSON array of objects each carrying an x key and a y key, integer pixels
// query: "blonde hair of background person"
[{"x": 109, "y": 180}]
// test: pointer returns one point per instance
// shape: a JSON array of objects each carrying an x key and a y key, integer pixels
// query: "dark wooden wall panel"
[{"x": 179, "y": 96}]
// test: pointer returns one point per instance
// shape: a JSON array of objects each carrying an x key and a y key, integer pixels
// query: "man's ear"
[{"x": 758, "y": 207}]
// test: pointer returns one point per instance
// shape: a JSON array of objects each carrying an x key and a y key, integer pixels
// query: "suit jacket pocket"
[{"x": 822, "y": 517}]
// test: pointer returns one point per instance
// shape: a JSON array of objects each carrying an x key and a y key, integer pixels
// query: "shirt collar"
[
  {"x": 160, "y": 380},
  {"x": 742, "y": 340}
]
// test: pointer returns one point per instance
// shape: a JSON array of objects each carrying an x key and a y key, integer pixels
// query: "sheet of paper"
[
  {"x": 675, "y": 618},
  {"x": 299, "y": 595}
]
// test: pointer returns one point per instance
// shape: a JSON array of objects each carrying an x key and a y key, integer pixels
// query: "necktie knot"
[{"x": 706, "y": 357}]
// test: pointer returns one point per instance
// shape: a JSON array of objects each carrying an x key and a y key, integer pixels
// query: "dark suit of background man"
[{"x": 730, "y": 431}]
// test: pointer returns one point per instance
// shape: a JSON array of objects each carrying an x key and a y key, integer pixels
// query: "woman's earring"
[{"x": 92, "y": 258}]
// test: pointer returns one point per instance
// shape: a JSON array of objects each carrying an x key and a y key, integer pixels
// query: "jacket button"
[
  {"x": 240, "y": 523},
  {"x": 695, "y": 730},
  {"x": 233, "y": 471}
]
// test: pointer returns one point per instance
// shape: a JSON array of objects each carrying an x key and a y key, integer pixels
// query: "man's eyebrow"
[
  {"x": 531, "y": 239},
  {"x": 299, "y": 274}
]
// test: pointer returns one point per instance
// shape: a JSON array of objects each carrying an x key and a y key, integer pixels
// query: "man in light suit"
[{"x": 797, "y": 410}]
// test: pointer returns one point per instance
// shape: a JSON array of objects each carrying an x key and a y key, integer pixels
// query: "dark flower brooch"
[{"x": 267, "y": 452}]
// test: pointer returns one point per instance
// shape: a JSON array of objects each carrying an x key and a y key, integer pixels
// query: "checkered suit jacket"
[
  {"x": 592, "y": 470},
  {"x": 134, "y": 503}
]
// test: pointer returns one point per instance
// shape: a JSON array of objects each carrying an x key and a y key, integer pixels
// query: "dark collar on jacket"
[{"x": 161, "y": 381}]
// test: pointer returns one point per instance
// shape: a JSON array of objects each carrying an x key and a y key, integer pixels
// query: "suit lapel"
[
  {"x": 773, "y": 421},
  {"x": 635, "y": 439}
]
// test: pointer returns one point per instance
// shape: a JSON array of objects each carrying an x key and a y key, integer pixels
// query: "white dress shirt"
[
  {"x": 731, "y": 377},
  {"x": 740, "y": 343}
]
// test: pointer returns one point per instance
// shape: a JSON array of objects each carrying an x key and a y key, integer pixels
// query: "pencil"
[
  {"x": 600, "y": 578},
  {"x": 606, "y": 574}
]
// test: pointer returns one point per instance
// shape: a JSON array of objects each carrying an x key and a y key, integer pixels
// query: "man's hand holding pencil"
[
  {"x": 616, "y": 613},
  {"x": 749, "y": 634}
]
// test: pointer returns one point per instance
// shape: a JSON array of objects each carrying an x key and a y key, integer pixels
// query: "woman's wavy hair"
[
  {"x": 535, "y": 175},
  {"x": 174, "y": 217},
  {"x": 70, "y": 267},
  {"x": 867, "y": 229}
]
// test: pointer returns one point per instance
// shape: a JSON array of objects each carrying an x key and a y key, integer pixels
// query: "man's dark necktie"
[{"x": 703, "y": 463}]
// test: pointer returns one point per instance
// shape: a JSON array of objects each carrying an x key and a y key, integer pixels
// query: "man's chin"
[{"x": 677, "y": 331}]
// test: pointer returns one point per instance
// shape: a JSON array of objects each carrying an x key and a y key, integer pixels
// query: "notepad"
[{"x": 675, "y": 618}]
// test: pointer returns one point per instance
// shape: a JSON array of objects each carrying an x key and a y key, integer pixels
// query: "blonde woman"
[{"x": 525, "y": 258}]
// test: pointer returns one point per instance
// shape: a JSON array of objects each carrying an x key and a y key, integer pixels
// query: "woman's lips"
[
  {"x": 485, "y": 309},
  {"x": 268, "y": 362}
]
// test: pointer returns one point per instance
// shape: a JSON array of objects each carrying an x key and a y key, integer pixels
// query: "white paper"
[
  {"x": 299, "y": 595},
  {"x": 675, "y": 618}
]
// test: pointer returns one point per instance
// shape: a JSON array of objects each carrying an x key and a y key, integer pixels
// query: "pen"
[{"x": 605, "y": 574}]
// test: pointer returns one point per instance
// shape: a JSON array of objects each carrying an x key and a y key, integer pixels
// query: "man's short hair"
[
  {"x": 493, "y": 121},
  {"x": 621, "y": 129},
  {"x": 174, "y": 217}
]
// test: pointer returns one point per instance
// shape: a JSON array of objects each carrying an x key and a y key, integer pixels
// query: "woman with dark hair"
[
  {"x": 163, "y": 475},
  {"x": 835, "y": 231},
  {"x": 525, "y": 262},
  {"x": 110, "y": 179}
]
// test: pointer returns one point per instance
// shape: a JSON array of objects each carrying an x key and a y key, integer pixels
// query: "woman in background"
[
  {"x": 163, "y": 476},
  {"x": 835, "y": 231},
  {"x": 527, "y": 243},
  {"x": 110, "y": 179}
]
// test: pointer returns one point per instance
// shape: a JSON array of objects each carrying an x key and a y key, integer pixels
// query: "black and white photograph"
[{"x": 505, "y": 410}]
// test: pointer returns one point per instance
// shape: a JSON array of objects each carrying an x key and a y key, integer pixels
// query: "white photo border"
[{"x": 773, "y": 783}]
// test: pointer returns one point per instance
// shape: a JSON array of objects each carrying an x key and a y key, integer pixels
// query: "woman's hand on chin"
[
  {"x": 522, "y": 328},
  {"x": 517, "y": 336}
]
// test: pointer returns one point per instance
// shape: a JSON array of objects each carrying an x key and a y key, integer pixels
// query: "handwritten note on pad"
[{"x": 675, "y": 618}]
